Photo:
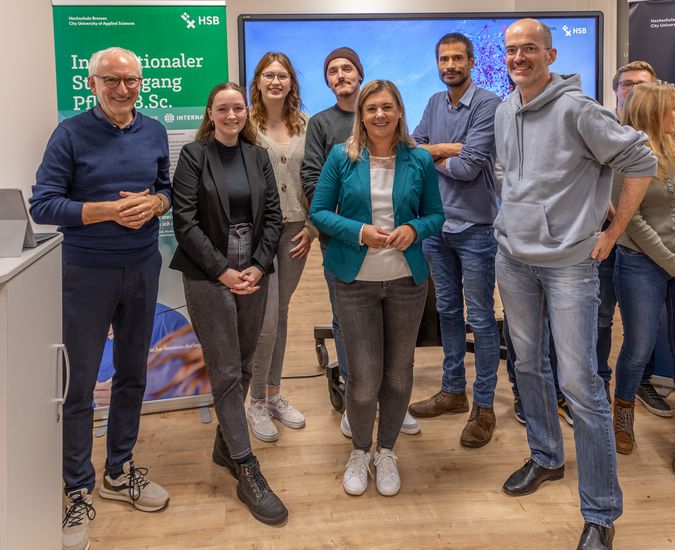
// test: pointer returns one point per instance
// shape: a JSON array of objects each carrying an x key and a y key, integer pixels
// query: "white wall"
[{"x": 28, "y": 92}]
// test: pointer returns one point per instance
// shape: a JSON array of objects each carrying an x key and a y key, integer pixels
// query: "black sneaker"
[
  {"x": 564, "y": 411},
  {"x": 254, "y": 491},
  {"x": 518, "y": 411},
  {"x": 654, "y": 403}
]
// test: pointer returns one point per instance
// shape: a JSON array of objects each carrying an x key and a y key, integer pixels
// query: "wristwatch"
[{"x": 162, "y": 209}]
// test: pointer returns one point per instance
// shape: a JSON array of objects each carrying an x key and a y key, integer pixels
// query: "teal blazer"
[{"x": 341, "y": 206}]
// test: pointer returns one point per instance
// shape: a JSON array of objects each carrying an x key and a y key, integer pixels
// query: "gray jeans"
[
  {"x": 380, "y": 321},
  {"x": 269, "y": 357},
  {"x": 228, "y": 326}
]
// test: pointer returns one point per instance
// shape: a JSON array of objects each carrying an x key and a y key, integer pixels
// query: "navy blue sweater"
[{"x": 88, "y": 159}]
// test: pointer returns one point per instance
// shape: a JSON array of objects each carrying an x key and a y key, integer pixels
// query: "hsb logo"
[
  {"x": 202, "y": 20},
  {"x": 208, "y": 20}
]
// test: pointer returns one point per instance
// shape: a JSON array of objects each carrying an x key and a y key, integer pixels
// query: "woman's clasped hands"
[
  {"x": 400, "y": 238},
  {"x": 241, "y": 282}
]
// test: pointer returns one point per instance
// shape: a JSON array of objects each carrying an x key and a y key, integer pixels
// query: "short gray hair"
[{"x": 96, "y": 58}]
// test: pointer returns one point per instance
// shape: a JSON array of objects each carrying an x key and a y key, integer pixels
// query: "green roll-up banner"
[{"x": 183, "y": 52}]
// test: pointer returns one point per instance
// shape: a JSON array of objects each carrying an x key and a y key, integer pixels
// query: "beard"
[{"x": 459, "y": 79}]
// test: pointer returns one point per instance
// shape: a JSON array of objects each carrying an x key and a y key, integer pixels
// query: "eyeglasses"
[
  {"x": 629, "y": 84},
  {"x": 527, "y": 49},
  {"x": 269, "y": 77},
  {"x": 112, "y": 82}
]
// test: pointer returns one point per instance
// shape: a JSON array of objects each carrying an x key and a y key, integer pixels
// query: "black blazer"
[{"x": 201, "y": 209}]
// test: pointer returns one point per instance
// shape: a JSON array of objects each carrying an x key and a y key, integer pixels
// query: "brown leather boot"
[
  {"x": 478, "y": 430},
  {"x": 443, "y": 402},
  {"x": 624, "y": 416}
]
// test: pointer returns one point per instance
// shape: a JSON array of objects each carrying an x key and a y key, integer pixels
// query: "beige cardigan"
[
  {"x": 286, "y": 166},
  {"x": 651, "y": 230}
]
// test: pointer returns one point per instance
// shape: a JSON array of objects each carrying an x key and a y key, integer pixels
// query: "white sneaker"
[
  {"x": 410, "y": 426},
  {"x": 387, "y": 479},
  {"x": 345, "y": 428},
  {"x": 260, "y": 420},
  {"x": 283, "y": 411},
  {"x": 134, "y": 487},
  {"x": 357, "y": 469},
  {"x": 75, "y": 527}
]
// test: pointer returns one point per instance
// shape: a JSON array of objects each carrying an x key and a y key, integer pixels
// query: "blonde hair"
[
  {"x": 294, "y": 120},
  {"x": 206, "y": 128},
  {"x": 645, "y": 109},
  {"x": 358, "y": 141}
]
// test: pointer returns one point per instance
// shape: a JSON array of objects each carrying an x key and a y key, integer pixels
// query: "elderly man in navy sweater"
[{"x": 104, "y": 180}]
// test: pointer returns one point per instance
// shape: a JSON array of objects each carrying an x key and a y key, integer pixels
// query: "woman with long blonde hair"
[
  {"x": 377, "y": 198},
  {"x": 644, "y": 275},
  {"x": 280, "y": 128}
]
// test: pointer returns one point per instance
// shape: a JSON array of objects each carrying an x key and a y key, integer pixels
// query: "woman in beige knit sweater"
[
  {"x": 644, "y": 275},
  {"x": 281, "y": 128}
]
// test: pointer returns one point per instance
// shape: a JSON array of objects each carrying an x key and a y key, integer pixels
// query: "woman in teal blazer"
[{"x": 377, "y": 198}]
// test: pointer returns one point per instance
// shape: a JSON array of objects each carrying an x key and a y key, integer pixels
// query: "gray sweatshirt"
[{"x": 559, "y": 152}]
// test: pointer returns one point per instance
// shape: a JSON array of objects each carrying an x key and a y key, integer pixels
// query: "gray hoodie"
[{"x": 558, "y": 153}]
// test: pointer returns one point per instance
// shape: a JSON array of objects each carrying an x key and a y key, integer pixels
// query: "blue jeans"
[
  {"x": 606, "y": 315},
  {"x": 337, "y": 330},
  {"x": 463, "y": 268},
  {"x": 511, "y": 362},
  {"x": 642, "y": 288},
  {"x": 567, "y": 298}
]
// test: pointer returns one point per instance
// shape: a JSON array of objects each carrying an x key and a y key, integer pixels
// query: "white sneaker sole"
[
  {"x": 411, "y": 431},
  {"x": 124, "y": 497},
  {"x": 289, "y": 423},
  {"x": 264, "y": 438},
  {"x": 386, "y": 493},
  {"x": 354, "y": 493},
  {"x": 347, "y": 434},
  {"x": 654, "y": 410}
]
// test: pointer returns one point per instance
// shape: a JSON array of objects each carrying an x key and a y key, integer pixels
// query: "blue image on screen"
[{"x": 402, "y": 50}]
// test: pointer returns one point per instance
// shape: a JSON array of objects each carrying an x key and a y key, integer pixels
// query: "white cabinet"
[{"x": 30, "y": 409}]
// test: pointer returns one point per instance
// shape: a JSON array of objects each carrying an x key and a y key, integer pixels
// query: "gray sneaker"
[
  {"x": 260, "y": 420},
  {"x": 75, "y": 527},
  {"x": 345, "y": 428},
  {"x": 653, "y": 402},
  {"x": 410, "y": 426},
  {"x": 134, "y": 487}
]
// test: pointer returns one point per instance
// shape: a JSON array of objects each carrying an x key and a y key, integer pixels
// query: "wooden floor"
[{"x": 450, "y": 498}]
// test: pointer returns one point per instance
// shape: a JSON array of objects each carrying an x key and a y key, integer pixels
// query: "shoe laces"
[
  {"x": 255, "y": 478},
  {"x": 356, "y": 463},
  {"x": 281, "y": 404},
  {"x": 624, "y": 421},
  {"x": 136, "y": 481},
  {"x": 651, "y": 392},
  {"x": 78, "y": 507},
  {"x": 438, "y": 395},
  {"x": 259, "y": 412},
  {"x": 386, "y": 464},
  {"x": 477, "y": 413}
]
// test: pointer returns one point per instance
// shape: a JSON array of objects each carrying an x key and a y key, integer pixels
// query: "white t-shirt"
[{"x": 383, "y": 264}]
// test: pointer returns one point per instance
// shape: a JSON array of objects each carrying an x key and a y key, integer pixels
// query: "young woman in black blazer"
[{"x": 227, "y": 221}]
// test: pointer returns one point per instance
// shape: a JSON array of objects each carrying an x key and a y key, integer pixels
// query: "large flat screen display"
[{"x": 401, "y": 48}]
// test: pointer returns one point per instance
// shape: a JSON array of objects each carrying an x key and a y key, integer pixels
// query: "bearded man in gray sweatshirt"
[{"x": 559, "y": 149}]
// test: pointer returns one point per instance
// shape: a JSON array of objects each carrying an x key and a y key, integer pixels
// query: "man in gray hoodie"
[{"x": 559, "y": 149}]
